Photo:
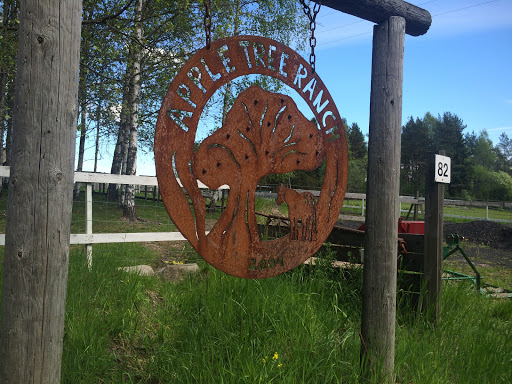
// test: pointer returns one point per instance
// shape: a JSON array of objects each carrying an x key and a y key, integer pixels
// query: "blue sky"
[{"x": 462, "y": 65}]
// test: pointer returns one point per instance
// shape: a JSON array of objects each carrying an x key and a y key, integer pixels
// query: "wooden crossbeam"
[{"x": 417, "y": 20}]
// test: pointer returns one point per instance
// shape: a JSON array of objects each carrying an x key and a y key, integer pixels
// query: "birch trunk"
[
  {"x": 81, "y": 150},
  {"x": 97, "y": 142},
  {"x": 7, "y": 69},
  {"x": 135, "y": 85},
  {"x": 82, "y": 88},
  {"x": 39, "y": 207},
  {"x": 117, "y": 161},
  {"x": 10, "y": 107}
]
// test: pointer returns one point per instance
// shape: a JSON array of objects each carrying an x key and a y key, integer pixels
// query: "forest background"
[{"x": 131, "y": 50}]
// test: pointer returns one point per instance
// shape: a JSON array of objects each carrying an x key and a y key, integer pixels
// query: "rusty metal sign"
[{"x": 264, "y": 133}]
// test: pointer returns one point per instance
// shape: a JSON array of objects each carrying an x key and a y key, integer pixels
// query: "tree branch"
[{"x": 109, "y": 17}]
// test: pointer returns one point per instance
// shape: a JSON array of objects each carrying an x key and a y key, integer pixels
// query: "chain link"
[
  {"x": 312, "y": 26},
  {"x": 207, "y": 22}
]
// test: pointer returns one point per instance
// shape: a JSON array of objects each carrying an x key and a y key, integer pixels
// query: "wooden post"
[
  {"x": 380, "y": 253},
  {"x": 40, "y": 192},
  {"x": 434, "y": 197},
  {"x": 418, "y": 20},
  {"x": 88, "y": 222}
]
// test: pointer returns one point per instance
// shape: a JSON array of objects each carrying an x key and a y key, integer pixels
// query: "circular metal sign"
[{"x": 264, "y": 133}]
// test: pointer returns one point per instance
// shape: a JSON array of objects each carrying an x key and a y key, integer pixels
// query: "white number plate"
[{"x": 443, "y": 169}]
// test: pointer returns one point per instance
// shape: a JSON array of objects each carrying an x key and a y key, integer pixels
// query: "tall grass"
[
  {"x": 211, "y": 328},
  {"x": 471, "y": 344},
  {"x": 301, "y": 327}
]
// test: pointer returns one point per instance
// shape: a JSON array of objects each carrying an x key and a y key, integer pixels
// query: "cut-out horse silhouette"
[{"x": 301, "y": 212}]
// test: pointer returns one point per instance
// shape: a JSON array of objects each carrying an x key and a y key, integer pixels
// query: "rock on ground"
[
  {"x": 177, "y": 272},
  {"x": 143, "y": 270}
]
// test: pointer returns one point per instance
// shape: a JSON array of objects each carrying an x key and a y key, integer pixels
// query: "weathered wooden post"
[
  {"x": 394, "y": 19},
  {"x": 380, "y": 267},
  {"x": 434, "y": 198},
  {"x": 40, "y": 192}
]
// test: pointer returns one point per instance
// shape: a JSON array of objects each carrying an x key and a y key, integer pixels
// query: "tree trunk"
[
  {"x": 98, "y": 124},
  {"x": 126, "y": 145},
  {"x": 117, "y": 160},
  {"x": 83, "y": 113},
  {"x": 8, "y": 138},
  {"x": 10, "y": 108},
  {"x": 225, "y": 105},
  {"x": 9, "y": 15},
  {"x": 3, "y": 91},
  {"x": 97, "y": 142},
  {"x": 7, "y": 69},
  {"x": 135, "y": 84},
  {"x": 3, "y": 95},
  {"x": 115, "y": 169},
  {"x": 39, "y": 207},
  {"x": 81, "y": 150}
]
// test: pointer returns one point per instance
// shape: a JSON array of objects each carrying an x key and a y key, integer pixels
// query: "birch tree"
[
  {"x": 134, "y": 79},
  {"x": 8, "y": 47}
]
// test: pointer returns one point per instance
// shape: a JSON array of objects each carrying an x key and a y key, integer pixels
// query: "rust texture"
[{"x": 263, "y": 133}]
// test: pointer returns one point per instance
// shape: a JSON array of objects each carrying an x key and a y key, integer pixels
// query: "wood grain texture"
[
  {"x": 380, "y": 269},
  {"x": 40, "y": 192},
  {"x": 417, "y": 20},
  {"x": 432, "y": 268}
]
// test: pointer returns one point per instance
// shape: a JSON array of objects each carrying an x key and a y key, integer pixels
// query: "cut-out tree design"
[{"x": 263, "y": 133}]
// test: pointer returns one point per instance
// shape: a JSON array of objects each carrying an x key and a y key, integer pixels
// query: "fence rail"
[{"x": 90, "y": 238}]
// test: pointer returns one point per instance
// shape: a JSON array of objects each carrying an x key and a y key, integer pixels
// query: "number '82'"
[{"x": 442, "y": 169}]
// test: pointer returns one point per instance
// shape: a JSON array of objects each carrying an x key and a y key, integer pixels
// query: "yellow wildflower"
[{"x": 276, "y": 356}]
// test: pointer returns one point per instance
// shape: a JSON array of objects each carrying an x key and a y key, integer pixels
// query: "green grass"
[
  {"x": 490, "y": 273},
  {"x": 300, "y": 327},
  {"x": 211, "y": 328},
  {"x": 479, "y": 213},
  {"x": 471, "y": 344},
  {"x": 354, "y": 207}
]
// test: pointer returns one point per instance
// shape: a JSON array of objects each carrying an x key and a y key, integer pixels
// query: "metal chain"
[
  {"x": 207, "y": 22},
  {"x": 312, "y": 26}
]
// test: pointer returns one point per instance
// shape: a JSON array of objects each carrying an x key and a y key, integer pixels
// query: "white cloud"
[{"x": 499, "y": 129}]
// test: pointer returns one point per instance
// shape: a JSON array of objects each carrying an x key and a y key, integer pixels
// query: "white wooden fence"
[
  {"x": 88, "y": 238},
  {"x": 487, "y": 205}
]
